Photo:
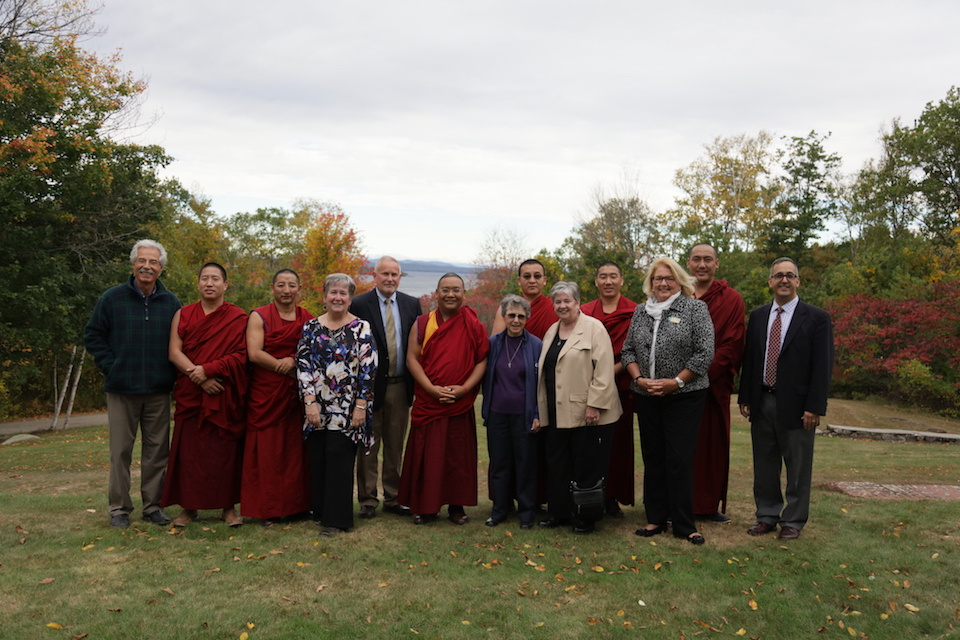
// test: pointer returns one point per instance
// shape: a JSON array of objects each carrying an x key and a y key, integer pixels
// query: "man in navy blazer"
[
  {"x": 784, "y": 383},
  {"x": 392, "y": 388}
]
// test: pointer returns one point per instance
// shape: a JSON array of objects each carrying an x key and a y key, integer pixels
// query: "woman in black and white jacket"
[{"x": 667, "y": 352}]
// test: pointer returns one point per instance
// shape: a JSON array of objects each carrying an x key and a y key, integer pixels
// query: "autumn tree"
[
  {"x": 331, "y": 245},
  {"x": 729, "y": 194},
  {"x": 72, "y": 200}
]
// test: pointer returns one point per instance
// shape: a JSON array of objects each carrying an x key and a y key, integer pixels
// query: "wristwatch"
[{"x": 680, "y": 382}]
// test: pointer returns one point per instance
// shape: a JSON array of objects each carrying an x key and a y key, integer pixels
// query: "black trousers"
[
  {"x": 582, "y": 455},
  {"x": 668, "y": 440},
  {"x": 332, "y": 456},
  {"x": 513, "y": 463}
]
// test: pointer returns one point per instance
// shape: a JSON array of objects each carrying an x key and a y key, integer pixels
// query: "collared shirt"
[
  {"x": 786, "y": 316},
  {"x": 401, "y": 343}
]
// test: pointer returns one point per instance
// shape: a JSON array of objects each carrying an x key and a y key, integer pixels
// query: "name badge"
[{"x": 673, "y": 319}]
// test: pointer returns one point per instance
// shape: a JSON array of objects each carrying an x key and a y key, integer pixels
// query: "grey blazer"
[{"x": 684, "y": 341}]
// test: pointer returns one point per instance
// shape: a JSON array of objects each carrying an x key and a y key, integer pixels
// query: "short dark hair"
[
  {"x": 608, "y": 263},
  {"x": 450, "y": 275},
  {"x": 530, "y": 261},
  {"x": 213, "y": 264},
  {"x": 703, "y": 244},
  {"x": 290, "y": 271}
]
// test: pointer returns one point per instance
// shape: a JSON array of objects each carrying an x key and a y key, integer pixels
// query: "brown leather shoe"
[
  {"x": 368, "y": 512},
  {"x": 458, "y": 518},
  {"x": 761, "y": 528},
  {"x": 789, "y": 533}
]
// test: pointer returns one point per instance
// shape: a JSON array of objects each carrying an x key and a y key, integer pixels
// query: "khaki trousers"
[
  {"x": 125, "y": 413},
  {"x": 389, "y": 431}
]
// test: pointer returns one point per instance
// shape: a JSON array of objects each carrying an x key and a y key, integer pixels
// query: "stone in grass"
[{"x": 20, "y": 437}]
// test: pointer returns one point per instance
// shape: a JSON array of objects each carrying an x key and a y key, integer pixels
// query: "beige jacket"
[{"x": 584, "y": 375}]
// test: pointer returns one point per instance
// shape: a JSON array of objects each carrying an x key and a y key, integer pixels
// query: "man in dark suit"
[
  {"x": 390, "y": 314},
  {"x": 787, "y": 365}
]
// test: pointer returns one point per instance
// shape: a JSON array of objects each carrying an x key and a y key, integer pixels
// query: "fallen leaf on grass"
[
  {"x": 80, "y": 637},
  {"x": 628, "y": 625},
  {"x": 911, "y": 608},
  {"x": 54, "y": 625},
  {"x": 753, "y": 604},
  {"x": 321, "y": 587},
  {"x": 244, "y": 635},
  {"x": 87, "y": 547},
  {"x": 657, "y": 566},
  {"x": 208, "y": 571},
  {"x": 741, "y": 631},
  {"x": 539, "y": 624},
  {"x": 250, "y": 625},
  {"x": 21, "y": 530},
  {"x": 46, "y": 581},
  {"x": 597, "y": 569},
  {"x": 114, "y": 610},
  {"x": 384, "y": 584},
  {"x": 591, "y": 621},
  {"x": 168, "y": 591},
  {"x": 464, "y": 622}
]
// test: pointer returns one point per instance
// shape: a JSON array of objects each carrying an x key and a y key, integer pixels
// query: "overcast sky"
[{"x": 434, "y": 122}]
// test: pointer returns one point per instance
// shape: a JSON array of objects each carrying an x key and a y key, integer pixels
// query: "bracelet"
[
  {"x": 364, "y": 407},
  {"x": 637, "y": 378}
]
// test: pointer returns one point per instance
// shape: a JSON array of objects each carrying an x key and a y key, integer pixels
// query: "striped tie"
[{"x": 773, "y": 351}]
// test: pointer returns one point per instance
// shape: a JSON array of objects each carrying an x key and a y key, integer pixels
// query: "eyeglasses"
[
  {"x": 516, "y": 316},
  {"x": 781, "y": 276},
  {"x": 666, "y": 279}
]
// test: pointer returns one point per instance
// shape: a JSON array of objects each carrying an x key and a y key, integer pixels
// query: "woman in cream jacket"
[{"x": 578, "y": 403}]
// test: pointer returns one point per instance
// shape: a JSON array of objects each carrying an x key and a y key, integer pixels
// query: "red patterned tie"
[{"x": 773, "y": 352}]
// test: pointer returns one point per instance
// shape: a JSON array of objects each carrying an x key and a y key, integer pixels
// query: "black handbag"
[{"x": 588, "y": 501}]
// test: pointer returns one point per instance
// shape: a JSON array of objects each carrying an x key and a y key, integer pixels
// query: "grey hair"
[
  {"x": 773, "y": 267},
  {"x": 566, "y": 287},
  {"x": 383, "y": 259},
  {"x": 146, "y": 243},
  {"x": 339, "y": 278},
  {"x": 514, "y": 300}
]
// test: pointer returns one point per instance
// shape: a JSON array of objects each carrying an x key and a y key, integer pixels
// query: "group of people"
[{"x": 275, "y": 409}]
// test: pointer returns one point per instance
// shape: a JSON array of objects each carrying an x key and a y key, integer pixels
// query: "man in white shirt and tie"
[{"x": 784, "y": 383}]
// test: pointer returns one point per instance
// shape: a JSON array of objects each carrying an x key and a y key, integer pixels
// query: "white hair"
[{"x": 151, "y": 244}]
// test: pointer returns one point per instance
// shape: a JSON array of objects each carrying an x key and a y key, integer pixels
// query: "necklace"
[{"x": 515, "y": 352}]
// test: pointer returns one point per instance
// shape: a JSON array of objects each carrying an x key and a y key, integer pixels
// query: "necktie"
[
  {"x": 391, "y": 330},
  {"x": 773, "y": 351}
]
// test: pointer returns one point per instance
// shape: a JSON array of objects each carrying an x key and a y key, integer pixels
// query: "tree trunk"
[
  {"x": 73, "y": 387},
  {"x": 63, "y": 391}
]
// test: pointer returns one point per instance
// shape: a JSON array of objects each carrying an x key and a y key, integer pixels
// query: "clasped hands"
[
  {"x": 198, "y": 376},
  {"x": 448, "y": 394},
  {"x": 658, "y": 386}
]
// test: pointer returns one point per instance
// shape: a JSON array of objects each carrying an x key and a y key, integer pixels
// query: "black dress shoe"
[
  {"x": 789, "y": 533},
  {"x": 649, "y": 533},
  {"x": 612, "y": 507},
  {"x": 157, "y": 517},
  {"x": 120, "y": 521},
  {"x": 695, "y": 538},
  {"x": 397, "y": 510},
  {"x": 368, "y": 512},
  {"x": 492, "y": 522},
  {"x": 716, "y": 516},
  {"x": 583, "y": 527},
  {"x": 526, "y": 525},
  {"x": 553, "y": 523}
]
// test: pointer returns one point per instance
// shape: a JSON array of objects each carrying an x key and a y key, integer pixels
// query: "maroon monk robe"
[
  {"x": 712, "y": 459},
  {"x": 620, "y": 476},
  {"x": 274, "y": 480},
  {"x": 542, "y": 316},
  {"x": 207, "y": 450},
  {"x": 440, "y": 462}
]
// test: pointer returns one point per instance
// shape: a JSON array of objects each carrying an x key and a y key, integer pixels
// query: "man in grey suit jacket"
[
  {"x": 784, "y": 383},
  {"x": 386, "y": 308}
]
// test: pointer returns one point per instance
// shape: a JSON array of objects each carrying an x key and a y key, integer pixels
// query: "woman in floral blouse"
[{"x": 336, "y": 365}]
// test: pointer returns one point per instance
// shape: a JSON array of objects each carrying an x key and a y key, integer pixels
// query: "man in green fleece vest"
[{"x": 128, "y": 335}]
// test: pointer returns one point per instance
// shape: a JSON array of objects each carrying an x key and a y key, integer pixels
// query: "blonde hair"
[{"x": 679, "y": 273}]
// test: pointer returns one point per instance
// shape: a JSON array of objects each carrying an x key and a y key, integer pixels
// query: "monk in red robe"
[
  {"x": 531, "y": 276},
  {"x": 447, "y": 356},
  {"x": 274, "y": 481},
  {"x": 208, "y": 348},
  {"x": 615, "y": 312},
  {"x": 712, "y": 459}
]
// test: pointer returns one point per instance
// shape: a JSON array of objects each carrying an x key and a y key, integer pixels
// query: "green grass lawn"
[{"x": 862, "y": 568}]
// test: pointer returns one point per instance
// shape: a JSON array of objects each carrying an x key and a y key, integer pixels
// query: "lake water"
[{"x": 417, "y": 283}]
